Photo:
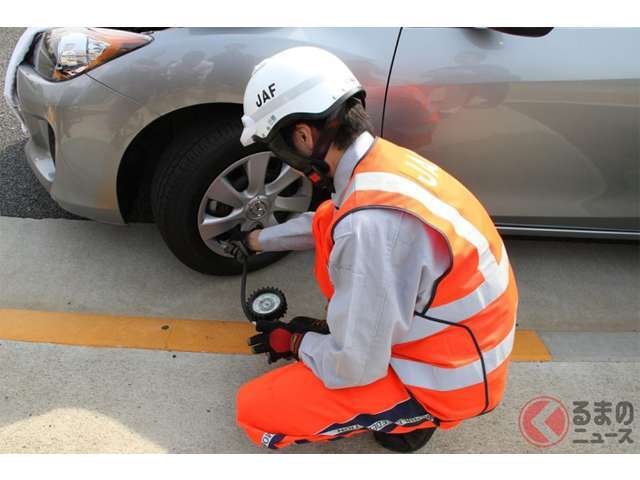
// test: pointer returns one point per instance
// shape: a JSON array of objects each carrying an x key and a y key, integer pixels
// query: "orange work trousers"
[{"x": 291, "y": 405}]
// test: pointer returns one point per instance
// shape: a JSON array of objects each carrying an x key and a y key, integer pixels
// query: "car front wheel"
[{"x": 208, "y": 184}]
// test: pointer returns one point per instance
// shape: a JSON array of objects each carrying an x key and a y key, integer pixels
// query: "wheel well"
[{"x": 142, "y": 156}]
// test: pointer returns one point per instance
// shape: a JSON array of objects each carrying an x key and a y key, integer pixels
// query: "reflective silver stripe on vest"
[
  {"x": 424, "y": 375},
  {"x": 466, "y": 307},
  {"x": 390, "y": 182},
  {"x": 496, "y": 276}
]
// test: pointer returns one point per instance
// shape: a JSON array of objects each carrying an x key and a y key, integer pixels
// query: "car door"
[{"x": 543, "y": 129}]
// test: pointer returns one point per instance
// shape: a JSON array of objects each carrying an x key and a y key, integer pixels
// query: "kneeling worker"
[{"x": 422, "y": 299}]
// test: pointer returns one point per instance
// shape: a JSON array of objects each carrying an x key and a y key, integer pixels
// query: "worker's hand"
[
  {"x": 308, "y": 324},
  {"x": 277, "y": 339},
  {"x": 237, "y": 244},
  {"x": 252, "y": 240}
]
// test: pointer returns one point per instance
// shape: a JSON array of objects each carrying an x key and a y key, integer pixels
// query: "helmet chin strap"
[{"x": 321, "y": 148}]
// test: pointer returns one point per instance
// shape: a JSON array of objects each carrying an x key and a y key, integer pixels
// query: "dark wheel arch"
[{"x": 141, "y": 158}]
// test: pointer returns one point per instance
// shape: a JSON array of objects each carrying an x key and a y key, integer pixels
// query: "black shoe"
[{"x": 404, "y": 442}]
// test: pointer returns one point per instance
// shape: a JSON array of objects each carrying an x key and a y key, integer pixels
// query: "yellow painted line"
[
  {"x": 180, "y": 335},
  {"x": 529, "y": 347},
  {"x": 93, "y": 330}
]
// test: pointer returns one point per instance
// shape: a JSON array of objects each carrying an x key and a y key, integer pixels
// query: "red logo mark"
[{"x": 544, "y": 421}]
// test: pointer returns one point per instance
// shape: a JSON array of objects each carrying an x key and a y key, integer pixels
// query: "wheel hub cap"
[{"x": 257, "y": 208}]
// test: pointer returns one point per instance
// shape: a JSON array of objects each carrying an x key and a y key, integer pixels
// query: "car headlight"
[{"x": 64, "y": 53}]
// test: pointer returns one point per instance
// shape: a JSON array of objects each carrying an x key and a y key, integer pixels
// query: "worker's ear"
[{"x": 303, "y": 138}]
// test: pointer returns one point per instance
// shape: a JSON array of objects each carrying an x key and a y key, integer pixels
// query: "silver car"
[{"x": 541, "y": 124}]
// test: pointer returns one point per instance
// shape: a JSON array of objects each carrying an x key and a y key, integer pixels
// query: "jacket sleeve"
[
  {"x": 379, "y": 268},
  {"x": 294, "y": 234}
]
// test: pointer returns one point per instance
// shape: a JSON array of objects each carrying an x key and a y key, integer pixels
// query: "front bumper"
[{"x": 79, "y": 130}]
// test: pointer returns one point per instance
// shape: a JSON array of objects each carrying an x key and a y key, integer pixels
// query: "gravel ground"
[{"x": 21, "y": 195}]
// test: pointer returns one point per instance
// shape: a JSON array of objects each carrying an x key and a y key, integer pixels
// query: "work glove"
[
  {"x": 237, "y": 244},
  {"x": 277, "y": 339},
  {"x": 282, "y": 340}
]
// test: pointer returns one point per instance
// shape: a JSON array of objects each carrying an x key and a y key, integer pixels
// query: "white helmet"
[{"x": 301, "y": 83}]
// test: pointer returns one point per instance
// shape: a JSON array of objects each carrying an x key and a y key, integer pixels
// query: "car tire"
[{"x": 194, "y": 159}]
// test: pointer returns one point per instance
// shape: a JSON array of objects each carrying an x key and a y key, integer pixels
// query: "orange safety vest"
[{"x": 455, "y": 357}]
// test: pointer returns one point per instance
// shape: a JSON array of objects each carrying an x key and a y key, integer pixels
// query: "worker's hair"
[{"x": 355, "y": 121}]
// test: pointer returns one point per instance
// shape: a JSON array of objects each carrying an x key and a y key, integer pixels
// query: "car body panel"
[
  {"x": 97, "y": 115},
  {"x": 92, "y": 127},
  {"x": 545, "y": 131},
  {"x": 191, "y": 66}
]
